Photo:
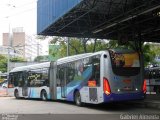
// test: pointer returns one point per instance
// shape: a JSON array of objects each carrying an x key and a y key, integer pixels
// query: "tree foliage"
[
  {"x": 78, "y": 46},
  {"x": 17, "y": 59},
  {"x": 3, "y": 63},
  {"x": 84, "y": 45},
  {"x": 41, "y": 58}
]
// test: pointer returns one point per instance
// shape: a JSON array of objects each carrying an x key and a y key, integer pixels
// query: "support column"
[
  {"x": 67, "y": 46},
  {"x": 140, "y": 50}
]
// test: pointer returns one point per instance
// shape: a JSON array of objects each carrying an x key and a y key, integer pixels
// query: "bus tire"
[
  {"x": 77, "y": 99},
  {"x": 16, "y": 94},
  {"x": 44, "y": 95}
]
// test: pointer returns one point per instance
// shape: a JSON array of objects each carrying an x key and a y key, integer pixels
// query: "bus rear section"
[
  {"x": 105, "y": 76},
  {"x": 122, "y": 79}
]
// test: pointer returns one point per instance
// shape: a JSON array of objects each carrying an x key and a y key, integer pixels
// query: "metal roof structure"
[{"x": 106, "y": 19}]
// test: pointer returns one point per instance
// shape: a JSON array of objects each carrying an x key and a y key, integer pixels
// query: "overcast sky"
[{"x": 19, "y": 13}]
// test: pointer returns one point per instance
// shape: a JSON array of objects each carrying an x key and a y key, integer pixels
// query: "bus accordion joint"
[
  {"x": 144, "y": 86},
  {"x": 106, "y": 86}
]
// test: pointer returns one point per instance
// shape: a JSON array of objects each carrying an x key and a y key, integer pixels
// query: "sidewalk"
[
  {"x": 3, "y": 92},
  {"x": 151, "y": 101}
]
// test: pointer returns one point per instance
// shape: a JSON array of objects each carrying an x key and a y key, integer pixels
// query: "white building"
[
  {"x": 4, "y": 51},
  {"x": 26, "y": 46},
  {"x": 33, "y": 48}
]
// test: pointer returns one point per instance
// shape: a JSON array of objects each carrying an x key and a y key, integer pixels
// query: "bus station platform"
[{"x": 151, "y": 101}]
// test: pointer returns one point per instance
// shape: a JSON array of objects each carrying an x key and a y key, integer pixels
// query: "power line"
[
  {"x": 23, "y": 5},
  {"x": 28, "y": 10},
  {"x": 20, "y": 6},
  {"x": 21, "y": 12},
  {"x": 17, "y": 6},
  {"x": 24, "y": 11}
]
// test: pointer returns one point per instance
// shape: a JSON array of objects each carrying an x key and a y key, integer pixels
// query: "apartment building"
[{"x": 26, "y": 46}]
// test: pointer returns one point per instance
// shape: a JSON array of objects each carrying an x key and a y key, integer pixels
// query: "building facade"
[
  {"x": 4, "y": 51},
  {"x": 26, "y": 46}
]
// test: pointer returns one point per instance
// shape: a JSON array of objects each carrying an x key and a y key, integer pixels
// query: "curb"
[
  {"x": 147, "y": 104},
  {"x": 4, "y": 95},
  {"x": 152, "y": 104}
]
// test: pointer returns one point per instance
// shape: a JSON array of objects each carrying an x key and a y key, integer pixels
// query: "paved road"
[{"x": 10, "y": 105}]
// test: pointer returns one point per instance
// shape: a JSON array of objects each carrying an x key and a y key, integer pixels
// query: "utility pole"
[
  {"x": 38, "y": 49},
  {"x": 9, "y": 40},
  {"x": 67, "y": 46},
  {"x": 9, "y": 45}
]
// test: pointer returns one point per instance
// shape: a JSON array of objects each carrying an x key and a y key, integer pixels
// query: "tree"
[
  {"x": 78, "y": 45},
  {"x": 41, "y": 58},
  {"x": 3, "y": 64},
  {"x": 155, "y": 47},
  {"x": 84, "y": 45},
  {"x": 41, "y": 37},
  {"x": 17, "y": 59},
  {"x": 150, "y": 52}
]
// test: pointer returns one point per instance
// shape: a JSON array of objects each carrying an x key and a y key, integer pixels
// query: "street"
[
  {"x": 34, "y": 106},
  {"x": 18, "y": 109}
]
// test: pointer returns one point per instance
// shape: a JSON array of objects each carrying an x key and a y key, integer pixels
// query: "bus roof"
[
  {"x": 59, "y": 61},
  {"x": 77, "y": 57},
  {"x": 29, "y": 67}
]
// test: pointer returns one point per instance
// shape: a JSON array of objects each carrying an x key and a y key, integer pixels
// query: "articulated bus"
[{"x": 101, "y": 77}]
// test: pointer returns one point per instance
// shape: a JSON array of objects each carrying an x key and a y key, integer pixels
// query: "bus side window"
[
  {"x": 15, "y": 78},
  {"x": 58, "y": 77},
  {"x": 70, "y": 72},
  {"x": 11, "y": 81},
  {"x": 45, "y": 77},
  {"x": 61, "y": 73},
  {"x": 20, "y": 79},
  {"x": 95, "y": 77}
]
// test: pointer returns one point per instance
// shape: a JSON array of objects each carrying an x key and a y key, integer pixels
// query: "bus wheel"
[
  {"x": 16, "y": 94},
  {"x": 44, "y": 95},
  {"x": 77, "y": 99}
]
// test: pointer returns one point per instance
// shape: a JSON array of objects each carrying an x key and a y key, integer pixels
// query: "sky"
[{"x": 18, "y": 13}]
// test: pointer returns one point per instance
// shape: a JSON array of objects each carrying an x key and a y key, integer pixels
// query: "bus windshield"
[{"x": 125, "y": 64}]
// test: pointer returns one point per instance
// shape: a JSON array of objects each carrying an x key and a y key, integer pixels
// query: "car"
[{"x": 5, "y": 85}]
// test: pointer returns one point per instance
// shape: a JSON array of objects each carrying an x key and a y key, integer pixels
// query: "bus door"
[
  {"x": 24, "y": 84},
  {"x": 63, "y": 82}
]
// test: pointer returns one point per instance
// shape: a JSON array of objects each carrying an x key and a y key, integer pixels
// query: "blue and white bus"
[{"x": 105, "y": 76}]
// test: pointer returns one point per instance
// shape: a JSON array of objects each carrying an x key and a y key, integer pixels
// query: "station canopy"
[{"x": 105, "y": 19}]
